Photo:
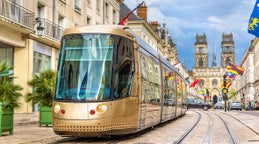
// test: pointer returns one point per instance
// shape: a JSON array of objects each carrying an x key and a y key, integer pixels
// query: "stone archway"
[{"x": 214, "y": 92}]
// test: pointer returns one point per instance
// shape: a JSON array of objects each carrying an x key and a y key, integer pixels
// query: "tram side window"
[
  {"x": 124, "y": 67},
  {"x": 123, "y": 81}
]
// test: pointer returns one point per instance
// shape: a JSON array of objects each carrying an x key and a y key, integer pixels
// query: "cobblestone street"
[{"x": 26, "y": 129}]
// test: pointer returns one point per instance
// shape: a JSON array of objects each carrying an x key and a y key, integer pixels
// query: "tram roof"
[
  {"x": 105, "y": 29},
  {"x": 146, "y": 46},
  {"x": 168, "y": 64}
]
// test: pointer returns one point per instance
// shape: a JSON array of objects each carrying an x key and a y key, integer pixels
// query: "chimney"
[
  {"x": 142, "y": 11},
  {"x": 154, "y": 24}
]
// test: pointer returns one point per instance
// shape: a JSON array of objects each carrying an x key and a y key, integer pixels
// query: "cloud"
[{"x": 186, "y": 18}]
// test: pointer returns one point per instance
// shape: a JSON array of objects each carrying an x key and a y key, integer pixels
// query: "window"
[
  {"x": 124, "y": 71},
  {"x": 61, "y": 20},
  {"x": 114, "y": 17},
  {"x": 6, "y": 54},
  {"x": 77, "y": 6},
  {"x": 227, "y": 49},
  {"x": 88, "y": 20},
  {"x": 169, "y": 87},
  {"x": 41, "y": 10},
  {"x": 87, "y": 64},
  {"x": 98, "y": 6},
  {"x": 200, "y": 62},
  {"x": 15, "y": 12},
  {"x": 63, "y": 1},
  {"x": 89, "y": 2},
  {"x": 227, "y": 61},
  {"x": 200, "y": 49},
  {"x": 106, "y": 10},
  {"x": 201, "y": 82},
  {"x": 85, "y": 68},
  {"x": 214, "y": 82},
  {"x": 41, "y": 62}
]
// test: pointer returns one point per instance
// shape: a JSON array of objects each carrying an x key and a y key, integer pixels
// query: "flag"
[
  {"x": 187, "y": 80},
  {"x": 231, "y": 70},
  {"x": 180, "y": 87},
  {"x": 235, "y": 69},
  {"x": 202, "y": 92},
  {"x": 228, "y": 84},
  {"x": 123, "y": 21},
  {"x": 230, "y": 75},
  {"x": 193, "y": 84},
  {"x": 169, "y": 76},
  {"x": 253, "y": 26}
]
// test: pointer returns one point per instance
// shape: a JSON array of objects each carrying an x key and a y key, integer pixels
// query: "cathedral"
[{"x": 211, "y": 78}]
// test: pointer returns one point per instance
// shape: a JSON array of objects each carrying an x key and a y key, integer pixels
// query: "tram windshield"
[{"x": 85, "y": 67}]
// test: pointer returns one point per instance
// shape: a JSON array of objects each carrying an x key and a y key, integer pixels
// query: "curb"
[{"x": 26, "y": 123}]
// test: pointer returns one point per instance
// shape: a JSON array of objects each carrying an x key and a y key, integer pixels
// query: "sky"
[{"x": 186, "y": 18}]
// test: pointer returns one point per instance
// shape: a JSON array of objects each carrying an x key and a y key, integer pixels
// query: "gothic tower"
[
  {"x": 201, "y": 52},
  {"x": 228, "y": 51}
]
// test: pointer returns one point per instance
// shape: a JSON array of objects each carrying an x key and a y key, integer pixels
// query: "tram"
[{"x": 111, "y": 82}]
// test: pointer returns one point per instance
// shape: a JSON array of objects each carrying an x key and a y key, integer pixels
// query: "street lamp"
[{"x": 40, "y": 28}]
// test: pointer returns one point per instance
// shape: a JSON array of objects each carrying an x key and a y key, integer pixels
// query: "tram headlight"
[
  {"x": 57, "y": 108},
  {"x": 101, "y": 108}
]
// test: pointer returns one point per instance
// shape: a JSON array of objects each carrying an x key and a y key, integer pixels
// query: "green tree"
[
  {"x": 43, "y": 88},
  {"x": 232, "y": 94},
  {"x": 9, "y": 92}
]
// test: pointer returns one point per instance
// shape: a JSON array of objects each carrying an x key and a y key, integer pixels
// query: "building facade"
[
  {"x": 211, "y": 78},
  {"x": 255, "y": 46},
  {"x": 247, "y": 85},
  {"x": 31, "y": 32}
]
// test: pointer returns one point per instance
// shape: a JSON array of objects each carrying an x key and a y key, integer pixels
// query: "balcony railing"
[
  {"x": 16, "y": 13},
  {"x": 51, "y": 29}
]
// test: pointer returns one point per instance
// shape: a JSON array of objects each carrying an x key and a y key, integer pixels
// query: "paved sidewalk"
[
  {"x": 27, "y": 131},
  {"x": 26, "y": 118}
]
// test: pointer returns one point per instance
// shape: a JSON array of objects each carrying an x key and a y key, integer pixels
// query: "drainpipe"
[
  {"x": 53, "y": 18},
  {"x": 54, "y": 11}
]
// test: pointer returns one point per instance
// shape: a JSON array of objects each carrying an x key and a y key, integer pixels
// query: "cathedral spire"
[{"x": 214, "y": 57}]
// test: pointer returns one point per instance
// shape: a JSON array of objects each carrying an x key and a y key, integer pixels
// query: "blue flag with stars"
[{"x": 253, "y": 26}]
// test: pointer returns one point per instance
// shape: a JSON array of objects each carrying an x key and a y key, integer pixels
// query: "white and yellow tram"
[{"x": 111, "y": 82}]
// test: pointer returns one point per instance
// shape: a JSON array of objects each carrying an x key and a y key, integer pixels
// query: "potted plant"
[
  {"x": 9, "y": 97},
  {"x": 43, "y": 93}
]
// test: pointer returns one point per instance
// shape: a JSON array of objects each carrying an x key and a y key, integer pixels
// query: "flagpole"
[{"x": 122, "y": 22}]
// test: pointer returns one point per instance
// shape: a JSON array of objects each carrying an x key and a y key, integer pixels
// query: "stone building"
[
  {"x": 255, "y": 46},
  {"x": 211, "y": 77},
  {"x": 30, "y": 33},
  {"x": 245, "y": 83},
  {"x": 247, "y": 86},
  {"x": 152, "y": 32}
]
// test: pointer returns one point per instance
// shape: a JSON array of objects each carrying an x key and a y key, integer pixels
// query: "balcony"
[
  {"x": 49, "y": 29},
  {"x": 17, "y": 15}
]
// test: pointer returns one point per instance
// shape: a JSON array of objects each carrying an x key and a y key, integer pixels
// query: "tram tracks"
[
  {"x": 232, "y": 139},
  {"x": 241, "y": 132},
  {"x": 189, "y": 130},
  {"x": 218, "y": 127},
  {"x": 204, "y": 127},
  {"x": 209, "y": 132}
]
